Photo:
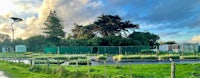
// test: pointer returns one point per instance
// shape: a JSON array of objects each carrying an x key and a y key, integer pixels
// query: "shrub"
[{"x": 101, "y": 57}]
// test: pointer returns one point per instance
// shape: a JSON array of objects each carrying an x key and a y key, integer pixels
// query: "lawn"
[{"x": 15, "y": 70}]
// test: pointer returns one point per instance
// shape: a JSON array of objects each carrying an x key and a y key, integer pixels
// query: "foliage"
[
  {"x": 147, "y": 52},
  {"x": 167, "y": 57},
  {"x": 136, "y": 70},
  {"x": 145, "y": 38},
  {"x": 101, "y": 57},
  {"x": 54, "y": 28}
]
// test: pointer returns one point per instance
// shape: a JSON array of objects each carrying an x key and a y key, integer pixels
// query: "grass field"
[{"x": 15, "y": 70}]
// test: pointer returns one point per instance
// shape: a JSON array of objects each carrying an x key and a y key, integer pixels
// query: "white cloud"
[{"x": 195, "y": 39}]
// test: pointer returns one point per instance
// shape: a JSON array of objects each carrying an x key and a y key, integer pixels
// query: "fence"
[{"x": 95, "y": 49}]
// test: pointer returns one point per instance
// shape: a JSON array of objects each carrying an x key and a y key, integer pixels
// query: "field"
[
  {"x": 79, "y": 66},
  {"x": 16, "y": 70}
]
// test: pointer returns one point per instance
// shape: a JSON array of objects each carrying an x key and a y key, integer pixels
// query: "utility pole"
[{"x": 15, "y": 19}]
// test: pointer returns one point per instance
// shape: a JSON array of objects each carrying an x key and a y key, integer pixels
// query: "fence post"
[
  {"x": 19, "y": 60},
  {"x": 173, "y": 68},
  {"x": 33, "y": 63},
  {"x": 130, "y": 67},
  {"x": 105, "y": 69},
  {"x": 48, "y": 65},
  {"x": 58, "y": 62},
  {"x": 88, "y": 68}
]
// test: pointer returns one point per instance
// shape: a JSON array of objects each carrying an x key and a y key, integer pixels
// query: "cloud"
[
  {"x": 168, "y": 17},
  {"x": 33, "y": 23},
  {"x": 195, "y": 39}
]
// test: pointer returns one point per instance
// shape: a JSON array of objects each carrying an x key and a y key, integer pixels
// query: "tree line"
[{"x": 107, "y": 30}]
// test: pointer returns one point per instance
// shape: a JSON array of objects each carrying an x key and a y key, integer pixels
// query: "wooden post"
[
  {"x": 173, "y": 68},
  {"x": 88, "y": 68},
  {"x": 130, "y": 67},
  {"x": 76, "y": 66},
  {"x": 48, "y": 63},
  {"x": 58, "y": 62},
  {"x": 19, "y": 60},
  {"x": 33, "y": 63},
  {"x": 105, "y": 69}
]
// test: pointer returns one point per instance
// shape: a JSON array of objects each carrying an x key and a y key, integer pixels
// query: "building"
[
  {"x": 6, "y": 49},
  {"x": 165, "y": 48},
  {"x": 189, "y": 47},
  {"x": 175, "y": 48},
  {"x": 20, "y": 48}
]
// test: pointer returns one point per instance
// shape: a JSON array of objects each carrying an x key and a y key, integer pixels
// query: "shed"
[
  {"x": 6, "y": 49},
  {"x": 20, "y": 48}
]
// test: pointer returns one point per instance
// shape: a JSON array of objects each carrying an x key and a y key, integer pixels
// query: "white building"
[
  {"x": 189, "y": 47},
  {"x": 165, "y": 47},
  {"x": 20, "y": 48}
]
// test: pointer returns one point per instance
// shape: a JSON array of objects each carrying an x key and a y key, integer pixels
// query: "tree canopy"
[{"x": 53, "y": 28}]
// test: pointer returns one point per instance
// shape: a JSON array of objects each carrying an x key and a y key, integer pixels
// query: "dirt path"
[{"x": 2, "y": 75}]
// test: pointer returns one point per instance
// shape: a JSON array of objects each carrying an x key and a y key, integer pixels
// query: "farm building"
[
  {"x": 184, "y": 47},
  {"x": 6, "y": 49},
  {"x": 189, "y": 47},
  {"x": 165, "y": 47},
  {"x": 20, "y": 48},
  {"x": 175, "y": 48}
]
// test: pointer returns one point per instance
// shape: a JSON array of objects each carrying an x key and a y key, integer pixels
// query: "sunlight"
[{"x": 7, "y": 6}]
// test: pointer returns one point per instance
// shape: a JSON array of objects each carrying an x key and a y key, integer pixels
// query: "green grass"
[{"x": 15, "y": 70}]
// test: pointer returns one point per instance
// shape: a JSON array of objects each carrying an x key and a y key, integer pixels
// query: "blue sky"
[{"x": 177, "y": 20}]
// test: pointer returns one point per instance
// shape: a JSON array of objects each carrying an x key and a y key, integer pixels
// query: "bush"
[
  {"x": 80, "y": 62},
  {"x": 28, "y": 53},
  {"x": 145, "y": 51},
  {"x": 149, "y": 57},
  {"x": 189, "y": 57},
  {"x": 101, "y": 57},
  {"x": 169, "y": 56}
]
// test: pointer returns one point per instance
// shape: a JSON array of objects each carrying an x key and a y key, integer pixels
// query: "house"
[
  {"x": 175, "y": 48},
  {"x": 165, "y": 48},
  {"x": 189, "y": 47}
]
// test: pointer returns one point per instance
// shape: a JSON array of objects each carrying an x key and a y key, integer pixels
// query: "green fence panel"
[
  {"x": 96, "y": 49},
  {"x": 52, "y": 50}
]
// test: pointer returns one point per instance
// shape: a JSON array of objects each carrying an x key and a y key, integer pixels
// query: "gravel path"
[{"x": 2, "y": 75}]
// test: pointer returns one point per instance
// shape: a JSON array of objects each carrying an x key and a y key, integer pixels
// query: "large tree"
[
  {"x": 104, "y": 26},
  {"x": 54, "y": 28},
  {"x": 112, "y": 24}
]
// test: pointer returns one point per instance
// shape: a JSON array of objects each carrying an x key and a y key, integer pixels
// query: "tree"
[
  {"x": 145, "y": 38},
  {"x": 4, "y": 37},
  {"x": 37, "y": 43},
  {"x": 112, "y": 25},
  {"x": 54, "y": 28}
]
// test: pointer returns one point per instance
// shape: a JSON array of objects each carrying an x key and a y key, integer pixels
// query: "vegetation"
[
  {"x": 101, "y": 57},
  {"x": 54, "y": 28},
  {"x": 167, "y": 57},
  {"x": 15, "y": 70},
  {"x": 107, "y": 30},
  {"x": 124, "y": 71}
]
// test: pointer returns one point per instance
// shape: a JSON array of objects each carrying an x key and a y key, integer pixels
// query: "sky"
[{"x": 172, "y": 20}]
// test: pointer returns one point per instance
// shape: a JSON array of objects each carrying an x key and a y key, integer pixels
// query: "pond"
[
  {"x": 156, "y": 62},
  {"x": 111, "y": 62}
]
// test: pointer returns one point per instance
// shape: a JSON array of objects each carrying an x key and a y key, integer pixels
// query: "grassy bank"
[{"x": 15, "y": 70}]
